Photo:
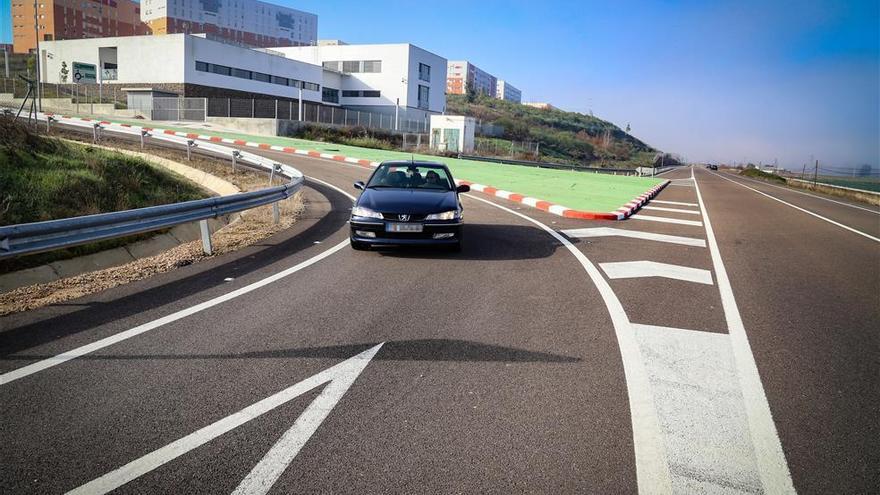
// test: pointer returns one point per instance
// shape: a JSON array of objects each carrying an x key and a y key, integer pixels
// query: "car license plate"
[{"x": 403, "y": 227}]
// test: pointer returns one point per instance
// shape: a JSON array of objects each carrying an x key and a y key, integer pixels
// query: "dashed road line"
[
  {"x": 820, "y": 217},
  {"x": 635, "y": 234},
  {"x": 673, "y": 210},
  {"x": 644, "y": 269},
  {"x": 651, "y": 218},
  {"x": 338, "y": 378}
]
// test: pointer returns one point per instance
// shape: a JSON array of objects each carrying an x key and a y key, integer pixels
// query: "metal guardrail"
[{"x": 29, "y": 238}]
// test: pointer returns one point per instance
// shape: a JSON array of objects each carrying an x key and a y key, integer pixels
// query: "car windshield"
[{"x": 411, "y": 176}]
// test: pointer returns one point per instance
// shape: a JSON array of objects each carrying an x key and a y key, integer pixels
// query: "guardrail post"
[
  {"x": 207, "y": 247},
  {"x": 276, "y": 167},
  {"x": 49, "y": 120},
  {"x": 190, "y": 144},
  {"x": 276, "y": 213},
  {"x": 144, "y": 134},
  {"x": 235, "y": 155},
  {"x": 95, "y": 133}
]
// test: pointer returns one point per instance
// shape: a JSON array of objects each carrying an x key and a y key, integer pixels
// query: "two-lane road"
[{"x": 531, "y": 362}]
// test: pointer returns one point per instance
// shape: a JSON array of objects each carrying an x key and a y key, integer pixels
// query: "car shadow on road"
[
  {"x": 485, "y": 242},
  {"x": 400, "y": 350}
]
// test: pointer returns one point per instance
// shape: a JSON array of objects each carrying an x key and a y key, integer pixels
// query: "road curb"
[{"x": 622, "y": 213}]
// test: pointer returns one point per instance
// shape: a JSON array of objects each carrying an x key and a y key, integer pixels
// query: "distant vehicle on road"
[
  {"x": 407, "y": 203},
  {"x": 712, "y": 167}
]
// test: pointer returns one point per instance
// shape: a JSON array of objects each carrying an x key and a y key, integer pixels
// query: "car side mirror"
[
  {"x": 359, "y": 185},
  {"x": 463, "y": 188}
]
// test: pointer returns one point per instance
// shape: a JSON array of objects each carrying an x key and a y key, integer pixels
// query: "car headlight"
[
  {"x": 360, "y": 211},
  {"x": 446, "y": 215}
]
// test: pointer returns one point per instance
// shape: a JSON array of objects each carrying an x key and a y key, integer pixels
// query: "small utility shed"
[
  {"x": 453, "y": 133},
  {"x": 142, "y": 98}
]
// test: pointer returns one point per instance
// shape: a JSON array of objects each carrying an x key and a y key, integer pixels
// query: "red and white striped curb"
[{"x": 621, "y": 213}]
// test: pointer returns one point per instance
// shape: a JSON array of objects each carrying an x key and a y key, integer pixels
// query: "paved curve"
[{"x": 500, "y": 370}]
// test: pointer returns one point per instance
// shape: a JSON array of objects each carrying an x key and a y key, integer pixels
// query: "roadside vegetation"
[
  {"x": 759, "y": 174},
  {"x": 44, "y": 178}
]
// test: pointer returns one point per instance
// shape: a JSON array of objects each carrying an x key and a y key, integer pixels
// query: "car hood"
[{"x": 412, "y": 201}]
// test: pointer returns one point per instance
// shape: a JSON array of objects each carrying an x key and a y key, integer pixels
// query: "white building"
[
  {"x": 187, "y": 65},
  {"x": 506, "y": 91},
  {"x": 247, "y": 22},
  {"x": 453, "y": 133},
  {"x": 385, "y": 78}
]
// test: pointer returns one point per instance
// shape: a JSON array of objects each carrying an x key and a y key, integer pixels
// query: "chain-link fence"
[
  {"x": 506, "y": 149},
  {"x": 78, "y": 94}
]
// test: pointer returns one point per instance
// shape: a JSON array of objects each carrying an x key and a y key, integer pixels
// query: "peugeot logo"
[{"x": 403, "y": 218}]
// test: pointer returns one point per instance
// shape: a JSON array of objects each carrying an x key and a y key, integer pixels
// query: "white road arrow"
[{"x": 338, "y": 379}]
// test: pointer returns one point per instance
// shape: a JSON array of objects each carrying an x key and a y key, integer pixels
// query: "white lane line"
[
  {"x": 44, "y": 364},
  {"x": 772, "y": 466},
  {"x": 635, "y": 234},
  {"x": 696, "y": 390},
  {"x": 820, "y": 217},
  {"x": 679, "y": 221},
  {"x": 640, "y": 269},
  {"x": 679, "y": 203},
  {"x": 652, "y": 470},
  {"x": 789, "y": 189},
  {"x": 682, "y": 184},
  {"x": 267, "y": 471},
  {"x": 673, "y": 210}
]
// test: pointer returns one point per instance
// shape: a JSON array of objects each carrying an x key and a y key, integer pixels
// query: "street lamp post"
[{"x": 37, "y": 58}]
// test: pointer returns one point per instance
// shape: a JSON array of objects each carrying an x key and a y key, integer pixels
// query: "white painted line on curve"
[
  {"x": 652, "y": 470},
  {"x": 44, "y": 364},
  {"x": 771, "y": 462},
  {"x": 679, "y": 221},
  {"x": 673, "y": 210},
  {"x": 640, "y": 269},
  {"x": 635, "y": 234},
  {"x": 267, "y": 471},
  {"x": 679, "y": 203},
  {"x": 820, "y": 217}
]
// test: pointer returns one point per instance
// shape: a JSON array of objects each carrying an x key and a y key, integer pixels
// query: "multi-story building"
[
  {"x": 246, "y": 22},
  {"x": 462, "y": 75},
  {"x": 506, "y": 91},
  {"x": 385, "y": 78},
  {"x": 399, "y": 80},
  {"x": 73, "y": 19}
]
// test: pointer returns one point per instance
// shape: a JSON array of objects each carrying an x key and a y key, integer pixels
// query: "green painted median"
[{"x": 585, "y": 191}]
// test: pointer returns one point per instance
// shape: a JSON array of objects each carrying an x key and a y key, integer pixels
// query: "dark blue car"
[{"x": 407, "y": 203}]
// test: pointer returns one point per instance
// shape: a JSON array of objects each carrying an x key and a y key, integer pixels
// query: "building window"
[
  {"x": 334, "y": 65},
  {"x": 425, "y": 72},
  {"x": 244, "y": 74},
  {"x": 347, "y": 93},
  {"x": 279, "y": 80},
  {"x": 311, "y": 86},
  {"x": 351, "y": 66},
  {"x": 372, "y": 66},
  {"x": 370, "y": 94},
  {"x": 424, "y": 94},
  {"x": 330, "y": 95},
  {"x": 221, "y": 69},
  {"x": 259, "y": 76}
]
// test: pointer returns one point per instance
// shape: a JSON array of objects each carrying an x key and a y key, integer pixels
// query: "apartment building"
[
  {"x": 73, "y": 19},
  {"x": 246, "y": 22},
  {"x": 386, "y": 78},
  {"x": 461, "y": 75},
  {"x": 506, "y": 91}
]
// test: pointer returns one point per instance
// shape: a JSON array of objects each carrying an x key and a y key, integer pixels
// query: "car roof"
[{"x": 414, "y": 163}]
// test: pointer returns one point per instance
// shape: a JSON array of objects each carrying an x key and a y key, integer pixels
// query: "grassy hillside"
[{"x": 564, "y": 136}]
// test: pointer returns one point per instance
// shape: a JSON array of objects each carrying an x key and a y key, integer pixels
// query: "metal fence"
[
  {"x": 79, "y": 94},
  {"x": 503, "y": 148},
  {"x": 312, "y": 113},
  {"x": 170, "y": 108}
]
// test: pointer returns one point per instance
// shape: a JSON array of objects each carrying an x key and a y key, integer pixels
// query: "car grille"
[{"x": 394, "y": 217}]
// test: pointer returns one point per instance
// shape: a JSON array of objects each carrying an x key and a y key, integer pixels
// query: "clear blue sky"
[
  {"x": 5, "y": 21},
  {"x": 715, "y": 80}
]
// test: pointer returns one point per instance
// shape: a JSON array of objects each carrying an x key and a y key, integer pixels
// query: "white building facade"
[
  {"x": 506, "y": 91},
  {"x": 247, "y": 22},
  {"x": 385, "y": 78}
]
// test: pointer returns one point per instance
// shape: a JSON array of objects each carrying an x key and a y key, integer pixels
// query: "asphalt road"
[{"x": 529, "y": 362}]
